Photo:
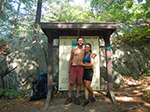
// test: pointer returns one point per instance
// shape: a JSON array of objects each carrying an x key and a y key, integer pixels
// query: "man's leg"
[
  {"x": 76, "y": 100},
  {"x": 72, "y": 79},
  {"x": 69, "y": 100},
  {"x": 70, "y": 88},
  {"x": 78, "y": 88},
  {"x": 79, "y": 75}
]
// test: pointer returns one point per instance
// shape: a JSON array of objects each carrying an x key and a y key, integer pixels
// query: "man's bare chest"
[{"x": 78, "y": 52}]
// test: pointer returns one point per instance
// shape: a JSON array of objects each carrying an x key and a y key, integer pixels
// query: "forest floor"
[{"x": 133, "y": 96}]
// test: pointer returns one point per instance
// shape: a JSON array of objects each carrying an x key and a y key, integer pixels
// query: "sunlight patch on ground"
[
  {"x": 92, "y": 110},
  {"x": 148, "y": 88},
  {"x": 125, "y": 99},
  {"x": 66, "y": 107},
  {"x": 37, "y": 103},
  {"x": 96, "y": 93},
  {"x": 131, "y": 82},
  {"x": 147, "y": 104}
]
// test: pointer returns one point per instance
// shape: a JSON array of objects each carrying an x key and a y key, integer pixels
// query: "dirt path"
[{"x": 134, "y": 96}]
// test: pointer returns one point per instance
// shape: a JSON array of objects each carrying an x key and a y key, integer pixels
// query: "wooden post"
[
  {"x": 99, "y": 64},
  {"x": 110, "y": 93},
  {"x": 50, "y": 68}
]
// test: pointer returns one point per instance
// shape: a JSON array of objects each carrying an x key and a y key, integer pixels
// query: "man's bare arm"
[{"x": 70, "y": 60}]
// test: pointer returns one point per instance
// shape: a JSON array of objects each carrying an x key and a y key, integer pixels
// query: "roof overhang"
[{"x": 54, "y": 30}]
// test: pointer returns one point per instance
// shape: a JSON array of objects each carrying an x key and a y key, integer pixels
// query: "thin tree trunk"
[
  {"x": 2, "y": 5},
  {"x": 15, "y": 21},
  {"x": 37, "y": 21}
]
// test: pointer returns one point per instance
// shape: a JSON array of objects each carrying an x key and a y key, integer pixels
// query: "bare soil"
[{"x": 133, "y": 96}]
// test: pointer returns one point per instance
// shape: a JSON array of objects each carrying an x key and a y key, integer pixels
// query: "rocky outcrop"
[
  {"x": 23, "y": 65},
  {"x": 127, "y": 58},
  {"x": 21, "y": 43},
  {"x": 133, "y": 60}
]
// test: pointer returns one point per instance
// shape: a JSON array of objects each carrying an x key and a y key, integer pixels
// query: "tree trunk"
[
  {"x": 2, "y": 5},
  {"x": 37, "y": 21},
  {"x": 15, "y": 21}
]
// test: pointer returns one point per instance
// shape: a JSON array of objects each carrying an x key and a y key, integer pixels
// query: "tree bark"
[
  {"x": 15, "y": 21},
  {"x": 2, "y": 5},
  {"x": 37, "y": 21}
]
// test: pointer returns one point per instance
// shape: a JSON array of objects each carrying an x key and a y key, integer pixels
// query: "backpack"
[{"x": 39, "y": 87}]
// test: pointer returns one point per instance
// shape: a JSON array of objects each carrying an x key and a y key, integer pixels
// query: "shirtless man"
[{"x": 75, "y": 70}]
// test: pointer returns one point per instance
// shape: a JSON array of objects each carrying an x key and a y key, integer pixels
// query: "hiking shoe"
[
  {"x": 77, "y": 101},
  {"x": 69, "y": 100},
  {"x": 93, "y": 99},
  {"x": 85, "y": 103}
]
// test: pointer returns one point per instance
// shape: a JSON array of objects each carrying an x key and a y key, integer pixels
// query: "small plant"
[
  {"x": 10, "y": 94},
  {"x": 1, "y": 39},
  {"x": 135, "y": 76},
  {"x": 144, "y": 83},
  {"x": 147, "y": 73}
]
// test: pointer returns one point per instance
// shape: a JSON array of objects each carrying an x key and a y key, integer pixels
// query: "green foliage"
[
  {"x": 1, "y": 39},
  {"x": 140, "y": 34},
  {"x": 121, "y": 11},
  {"x": 135, "y": 76},
  {"x": 147, "y": 73},
  {"x": 137, "y": 33},
  {"x": 25, "y": 18},
  {"x": 9, "y": 93},
  {"x": 144, "y": 83},
  {"x": 63, "y": 12}
]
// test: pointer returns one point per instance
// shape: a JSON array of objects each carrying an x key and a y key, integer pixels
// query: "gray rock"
[
  {"x": 118, "y": 80},
  {"x": 3, "y": 69},
  {"x": 16, "y": 44},
  {"x": 28, "y": 65},
  {"x": 128, "y": 60},
  {"x": 3, "y": 66},
  {"x": 43, "y": 43}
]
